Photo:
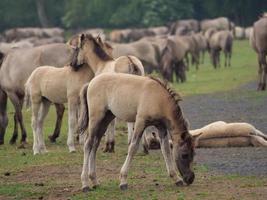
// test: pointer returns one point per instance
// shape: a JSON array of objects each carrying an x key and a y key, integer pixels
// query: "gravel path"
[{"x": 241, "y": 105}]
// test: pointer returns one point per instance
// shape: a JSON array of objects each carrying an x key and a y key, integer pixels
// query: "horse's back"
[{"x": 19, "y": 64}]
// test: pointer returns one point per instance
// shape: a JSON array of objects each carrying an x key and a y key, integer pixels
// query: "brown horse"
[
  {"x": 14, "y": 72},
  {"x": 171, "y": 60},
  {"x": 258, "y": 40},
  {"x": 142, "y": 102}
]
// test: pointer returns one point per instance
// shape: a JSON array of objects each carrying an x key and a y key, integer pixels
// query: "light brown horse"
[
  {"x": 14, "y": 72},
  {"x": 122, "y": 64},
  {"x": 258, "y": 40},
  {"x": 222, "y": 134},
  {"x": 142, "y": 102},
  {"x": 62, "y": 85}
]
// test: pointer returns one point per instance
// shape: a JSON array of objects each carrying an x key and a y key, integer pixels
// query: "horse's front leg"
[
  {"x": 60, "y": 112},
  {"x": 72, "y": 121},
  {"x": 110, "y": 137},
  {"x": 167, "y": 154},
  {"x": 133, "y": 147},
  {"x": 130, "y": 127}
]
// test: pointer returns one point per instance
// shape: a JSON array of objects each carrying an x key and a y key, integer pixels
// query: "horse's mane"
[
  {"x": 98, "y": 49},
  {"x": 176, "y": 98}
]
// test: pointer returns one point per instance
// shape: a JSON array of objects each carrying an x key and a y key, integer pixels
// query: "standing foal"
[{"x": 142, "y": 103}]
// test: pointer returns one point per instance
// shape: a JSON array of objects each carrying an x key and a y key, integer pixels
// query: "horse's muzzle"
[{"x": 189, "y": 179}]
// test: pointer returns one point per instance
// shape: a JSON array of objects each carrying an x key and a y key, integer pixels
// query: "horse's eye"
[{"x": 185, "y": 156}]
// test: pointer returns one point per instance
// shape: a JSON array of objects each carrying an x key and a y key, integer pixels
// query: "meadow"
[{"x": 56, "y": 175}]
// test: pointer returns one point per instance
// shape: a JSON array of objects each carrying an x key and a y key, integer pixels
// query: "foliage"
[{"x": 126, "y": 13}]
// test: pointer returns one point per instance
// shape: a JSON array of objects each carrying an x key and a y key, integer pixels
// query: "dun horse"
[
  {"x": 123, "y": 64},
  {"x": 142, "y": 102},
  {"x": 16, "y": 68},
  {"x": 62, "y": 85},
  {"x": 258, "y": 40}
]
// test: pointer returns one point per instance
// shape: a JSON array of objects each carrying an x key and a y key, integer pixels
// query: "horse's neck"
[{"x": 103, "y": 67}]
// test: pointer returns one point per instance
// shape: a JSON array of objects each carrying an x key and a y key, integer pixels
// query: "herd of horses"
[{"x": 101, "y": 81}]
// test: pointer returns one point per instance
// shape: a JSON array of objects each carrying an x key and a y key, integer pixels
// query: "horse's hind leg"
[
  {"x": 110, "y": 138},
  {"x": 132, "y": 149},
  {"x": 225, "y": 58},
  {"x": 101, "y": 130},
  {"x": 15, "y": 131},
  {"x": 259, "y": 133},
  {"x": 40, "y": 123},
  {"x": 72, "y": 121},
  {"x": 18, "y": 102},
  {"x": 35, "y": 112},
  {"x": 95, "y": 119},
  {"x": 258, "y": 141},
  {"x": 3, "y": 115},
  {"x": 60, "y": 112},
  {"x": 167, "y": 154},
  {"x": 262, "y": 71}
]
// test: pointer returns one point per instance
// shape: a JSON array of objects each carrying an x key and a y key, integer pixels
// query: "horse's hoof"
[
  {"x": 44, "y": 151},
  {"x": 72, "y": 150},
  {"x": 108, "y": 150},
  {"x": 12, "y": 142},
  {"x": 124, "y": 187},
  {"x": 52, "y": 139},
  {"x": 22, "y": 146},
  {"x": 95, "y": 186},
  {"x": 86, "y": 189},
  {"x": 179, "y": 183}
]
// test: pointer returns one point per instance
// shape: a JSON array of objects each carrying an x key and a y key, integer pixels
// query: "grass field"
[{"x": 56, "y": 175}]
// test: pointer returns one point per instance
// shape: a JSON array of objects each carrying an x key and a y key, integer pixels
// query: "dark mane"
[
  {"x": 176, "y": 98},
  {"x": 98, "y": 49}
]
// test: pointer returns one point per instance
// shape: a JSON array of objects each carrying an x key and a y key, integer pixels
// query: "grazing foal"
[{"x": 142, "y": 103}]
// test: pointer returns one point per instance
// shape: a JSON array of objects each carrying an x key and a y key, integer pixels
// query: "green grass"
[
  {"x": 60, "y": 171},
  {"x": 208, "y": 80}
]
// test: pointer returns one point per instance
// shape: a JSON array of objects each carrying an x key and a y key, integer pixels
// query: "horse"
[
  {"x": 14, "y": 72},
  {"x": 222, "y": 134},
  {"x": 221, "y": 40},
  {"x": 142, "y": 102},
  {"x": 171, "y": 60},
  {"x": 49, "y": 84},
  {"x": 258, "y": 39},
  {"x": 99, "y": 66}
]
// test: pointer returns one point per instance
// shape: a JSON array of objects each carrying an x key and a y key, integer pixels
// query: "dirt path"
[{"x": 241, "y": 105}]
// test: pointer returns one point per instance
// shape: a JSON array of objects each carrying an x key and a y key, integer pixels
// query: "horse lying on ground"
[
  {"x": 142, "y": 102},
  {"x": 49, "y": 84},
  {"x": 221, "y": 134},
  {"x": 216, "y": 134}
]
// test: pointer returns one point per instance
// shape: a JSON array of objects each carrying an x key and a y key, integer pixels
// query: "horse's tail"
[
  {"x": 83, "y": 116},
  {"x": 2, "y": 56},
  {"x": 136, "y": 67},
  {"x": 229, "y": 43},
  {"x": 27, "y": 97}
]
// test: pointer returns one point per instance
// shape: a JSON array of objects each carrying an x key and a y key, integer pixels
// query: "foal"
[
  {"x": 87, "y": 45},
  {"x": 142, "y": 103}
]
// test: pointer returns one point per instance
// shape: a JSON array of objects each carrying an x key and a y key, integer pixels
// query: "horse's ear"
[
  {"x": 108, "y": 45},
  {"x": 81, "y": 40}
]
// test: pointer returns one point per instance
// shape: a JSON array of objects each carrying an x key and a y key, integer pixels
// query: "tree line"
[{"x": 75, "y": 14}]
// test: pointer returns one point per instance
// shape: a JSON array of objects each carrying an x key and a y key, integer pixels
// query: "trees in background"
[{"x": 122, "y": 13}]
